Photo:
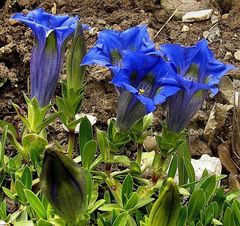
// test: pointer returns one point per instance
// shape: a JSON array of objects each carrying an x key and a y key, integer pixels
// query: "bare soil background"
[{"x": 100, "y": 98}]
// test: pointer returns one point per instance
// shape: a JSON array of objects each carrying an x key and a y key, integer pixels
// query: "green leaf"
[
  {"x": 121, "y": 220},
  {"x": 173, "y": 166},
  {"x": 36, "y": 204},
  {"x": 95, "y": 206},
  {"x": 22, "y": 117},
  {"x": 89, "y": 185},
  {"x": 236, "y": 212},
  {"x": 103, "y": 145},
  {"x": 190, "y": 172},
  {"x": 121, "y": 159},
  {"x": 183, "y": 154},
  {"x": 228, "y": 217},
  {"x": 110, "y": 207},
  {"x": 47, "y": 121},
  {"x": 88, "y": 153},
  {"x": 85, "y": 133},
  {"x": 9, "y": 193},
  {"x": 132, "y": 201},
  {"x": 209, "y": 186},
  {"x": 182, "y": 219},
  {"x": 27, "y": 178},
  {"x": 34, "y": 141},
  {"x": 127, "y": 187},
  {"x": 196, "y": 204},
  {"x": 24, "y": 223},
  {"x": 20, "y": 191},
  {"x": 42, "y": 222},
  {"x": 141, "y": 203}
]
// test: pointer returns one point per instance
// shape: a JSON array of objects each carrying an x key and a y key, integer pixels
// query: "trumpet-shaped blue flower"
[
  {"x": 50, "y": 32},
  {"x": 109, "y": 48},
  {"x": 144, "y": 82},
  {"x": 196, "y": 71}
]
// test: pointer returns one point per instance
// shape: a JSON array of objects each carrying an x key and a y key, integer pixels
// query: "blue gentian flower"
[
  {"x": 197, "y": 72},
  {"x": 143, "y": 83},
  {"x": 50, "y": 32},
  {"x": 108, "y": 50}
]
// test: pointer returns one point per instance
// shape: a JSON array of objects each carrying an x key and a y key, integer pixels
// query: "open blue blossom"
[
  {"x": 108, "y": 50},
  {"x": 50, "y": 32},
  {"x": 196, "y": 71},
  {"x": 143, "y": 82}
]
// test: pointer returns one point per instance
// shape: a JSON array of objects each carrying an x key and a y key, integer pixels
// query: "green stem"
[
  {"x": 71, "y": 141},
  {"x": 139, "y": 154},
  {"x": 158, "y": 167}
]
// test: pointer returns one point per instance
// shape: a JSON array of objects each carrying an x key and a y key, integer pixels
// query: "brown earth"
[{"x": 100, "y": 98}]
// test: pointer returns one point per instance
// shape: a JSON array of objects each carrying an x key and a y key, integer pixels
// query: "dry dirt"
[{"x": 16, "y": 41}]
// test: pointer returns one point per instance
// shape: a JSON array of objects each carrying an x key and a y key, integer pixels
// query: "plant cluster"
[{"x": 43, "y": 184}]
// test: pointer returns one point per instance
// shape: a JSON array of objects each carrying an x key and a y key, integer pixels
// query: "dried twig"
[{"x": 165, "y": 23}]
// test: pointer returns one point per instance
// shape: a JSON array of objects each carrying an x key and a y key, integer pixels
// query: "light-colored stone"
[
  {"x": 237, "y": 55},
  {"x": 228, "y": 56},
  {"x": 185, "y": 28},
  {"x": 214, "y": 18},
  {"x": 225, "y": 16},
  {"x": 214, "y": 33},
  {"x": 206, "y": 34},
  {"x": 183, "y": 6},
  {"x": 197, "y": 15},
  {"x": 211, "y": 164}
]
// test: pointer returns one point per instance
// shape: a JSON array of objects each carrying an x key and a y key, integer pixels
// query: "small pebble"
[
  {"x": 206, "y": 34},
  {"x": 237, "y": 55},
  {"x": 185, "y": 28},
  {"x": 225, "y": 16},
  {"x": 228, "y": 56}
]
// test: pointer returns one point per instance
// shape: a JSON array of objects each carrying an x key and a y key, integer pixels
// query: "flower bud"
[
  {"x": 63, "y": 183},
  {"x": 165, "y": 210}
]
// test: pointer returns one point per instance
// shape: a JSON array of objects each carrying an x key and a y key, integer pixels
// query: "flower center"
[
  {"x": 116, "y": 57},
  {"x": 192, "y": 73},
  {"x": 145, "y": 87}
]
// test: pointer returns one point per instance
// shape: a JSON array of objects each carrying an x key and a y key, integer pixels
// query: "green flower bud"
[
  {"x": 165, "y": 210},
  {"x": 63, "y": 182}
]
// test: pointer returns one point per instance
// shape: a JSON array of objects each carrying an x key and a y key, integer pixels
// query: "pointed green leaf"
[
  {"x": 88, "y": 153},
  {"x": 36, "y": 204},
  {"x": 196, "y": 204},
  {"x": 85, "y": 133}
]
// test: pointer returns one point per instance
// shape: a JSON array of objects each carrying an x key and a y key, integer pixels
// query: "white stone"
[
  {"x": 237, "y": 55},
  {"x": 185, "y": 28},
  {"x": 211, "y": 164},
  {"x": 197, "y": 15}
]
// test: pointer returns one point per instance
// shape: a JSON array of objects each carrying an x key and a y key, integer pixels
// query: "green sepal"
[{"x": 168, "y": 141}]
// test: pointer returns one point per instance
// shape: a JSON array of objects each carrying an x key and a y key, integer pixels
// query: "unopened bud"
[{"x": 63, "y": 183}]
